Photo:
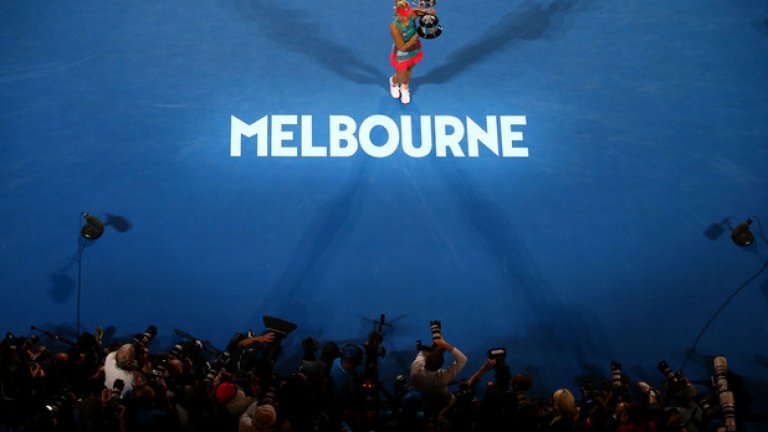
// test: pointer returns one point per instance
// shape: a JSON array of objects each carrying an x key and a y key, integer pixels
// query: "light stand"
[{"x": 92, "y": 230}]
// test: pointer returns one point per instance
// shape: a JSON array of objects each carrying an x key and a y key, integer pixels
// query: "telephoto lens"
[
  {"x": 721, "y": 373},
  {"x": 728, "y": 408},
  {"x": 727, "y": 403},
  {"x": 146, "y": 337},
  {"x": 436, "y": 328},
  {"x": 667, "y": 371},
  {"x": 616, "y": 378}
]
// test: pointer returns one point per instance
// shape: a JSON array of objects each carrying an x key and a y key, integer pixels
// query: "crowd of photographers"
[{"x": 92, "y": 387}]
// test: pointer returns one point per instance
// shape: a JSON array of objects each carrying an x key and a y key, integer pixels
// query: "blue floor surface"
[{"x": 645, "y": 130}]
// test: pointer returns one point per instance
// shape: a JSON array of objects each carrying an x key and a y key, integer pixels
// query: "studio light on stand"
[
  {"x": 92, "y": 230},
  {"x": 741, "y": 235}
]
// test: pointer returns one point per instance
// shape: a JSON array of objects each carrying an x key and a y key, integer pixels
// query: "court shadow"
[
  {"x": 529, "y": 22},
  {"x": 119, "y": 223},
  {"x": 62, "y": 286},
  {"x": 714, "y": 231},
  {"x": 62, "y": 283},
  {"x": 328, "y": 224},
  {"x": 276, "y": 23},
  {"x": 553, "y": 324}
]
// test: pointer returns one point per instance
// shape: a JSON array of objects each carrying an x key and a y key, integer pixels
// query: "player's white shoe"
[
  {"x": 394, "y": 89},
  {"x": 405, "y": 95}
]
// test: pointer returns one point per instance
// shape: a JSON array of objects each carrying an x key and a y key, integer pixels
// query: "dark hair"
[{"x": 434, "y": 360}]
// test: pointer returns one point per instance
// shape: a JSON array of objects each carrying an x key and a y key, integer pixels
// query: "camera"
[
  {"x": 143, "y": 339},
  {"x": 721, "y": 373},
  {"x": 497, "y": 353},
  {"x": 179, "y": 352},
  {"x": 210, "y": 370},
  {"x": 436, "y": 329},
  {"x": 160, "y": 368},
  {"x": 500, "y": 368},
  {"x": 617, "y": 379},
  {"x": 672, "y": 379}
]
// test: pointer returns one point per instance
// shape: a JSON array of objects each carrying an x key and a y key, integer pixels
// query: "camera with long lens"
[
  {"x": 725, "y": 396},
  {"x": 617, "y": 379},
  {"x": 437, "y": 330},
  {"x": 671, "y": 379},
  {"x": 210, "y": 370},
  {"x": 619, "y": 384},
  {"x": 144, "y": 339}
]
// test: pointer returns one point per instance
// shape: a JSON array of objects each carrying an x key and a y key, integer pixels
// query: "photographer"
[
  {"x": 22, "y": 380},
  {"x": 122, "y": 365},
  {"x": 500, "y": 403},
  {"x": 344, "y": 385},
  {"x": 462, "y": 410},
  {"x": 431, "y": 379},
  {"x": 567, "y": 415}
]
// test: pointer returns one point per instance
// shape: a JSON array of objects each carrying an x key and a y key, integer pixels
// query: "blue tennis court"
[{"x": 588, "y": 163}]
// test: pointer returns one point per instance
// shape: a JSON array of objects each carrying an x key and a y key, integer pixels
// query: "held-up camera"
[
  {"x": 435, "y": 328},
  {"x": 667, "y": 371},
  {"x": 497, "y": 353},
  {"x": 619, "y": 382},
  {"x": 500, "y": 368},
  {"x": 143, "y": 339}
]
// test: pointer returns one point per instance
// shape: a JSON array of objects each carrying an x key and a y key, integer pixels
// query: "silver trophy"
[{"x": 429, "y": 25}]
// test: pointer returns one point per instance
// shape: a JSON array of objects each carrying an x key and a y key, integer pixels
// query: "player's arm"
[{"x": 397, "y": 37}]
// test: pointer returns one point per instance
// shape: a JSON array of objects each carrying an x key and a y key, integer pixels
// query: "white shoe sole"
[{"x": 394, "y": 91}]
